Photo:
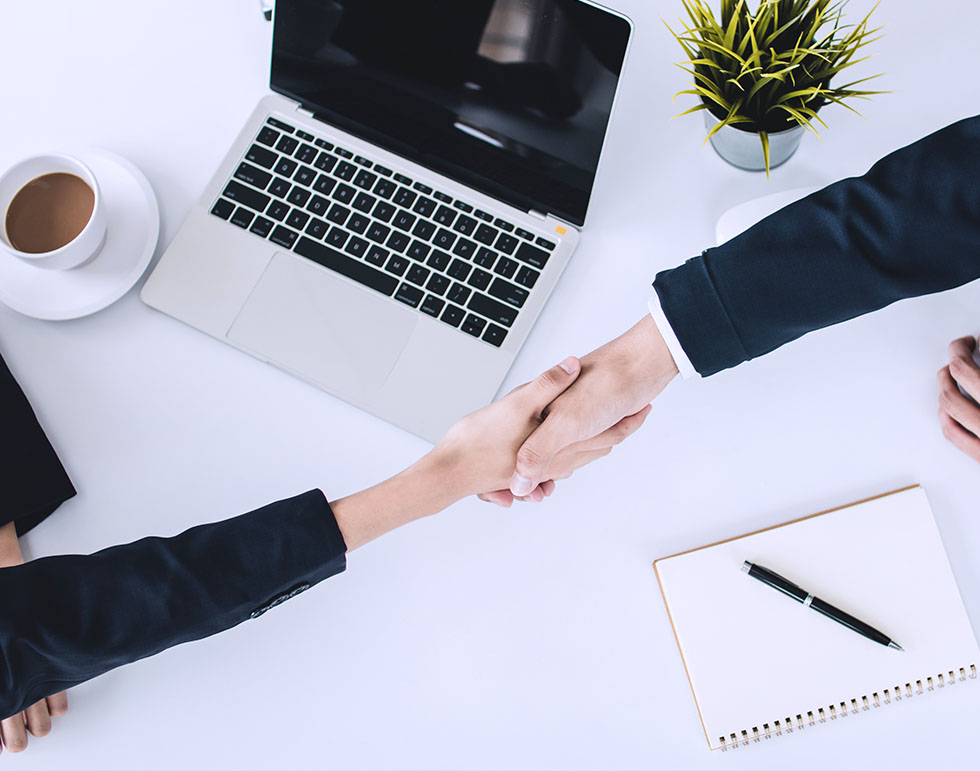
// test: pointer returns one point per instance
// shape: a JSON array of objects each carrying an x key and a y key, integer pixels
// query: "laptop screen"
[{"x": 511, "y": 97}]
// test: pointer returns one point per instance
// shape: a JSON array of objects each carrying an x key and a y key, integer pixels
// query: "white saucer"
[
  {"x": 740, "y": 218},
  {"x": 133, "y": 227}
]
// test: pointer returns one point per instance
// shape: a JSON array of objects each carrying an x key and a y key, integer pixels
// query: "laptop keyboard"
[{"x": 440, "y": 255}]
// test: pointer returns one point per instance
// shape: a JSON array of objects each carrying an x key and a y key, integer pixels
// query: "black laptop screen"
[{"x": 511, "y": 97}]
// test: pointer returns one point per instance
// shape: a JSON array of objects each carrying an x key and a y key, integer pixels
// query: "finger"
[
  {"x": 14, "y": 733},
  {"x": 536, "y": 495},
  {"x": 499, "y": 497},
  {"x": 559, "y": 430},
  {"x": 57, "y": 704},
  {"x": 959, "y": 436},
  {"x": 954, "y": 404},
  {"x": 548, "y": 487},
  {"x": 615, "y": 434},
  {"x": 962, "y": 366},
  {"x": 38, "y": 719}
]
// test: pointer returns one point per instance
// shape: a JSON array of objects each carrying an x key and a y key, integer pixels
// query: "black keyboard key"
[
  {"x": 424, "y": 206},
  {"x": 304, "y": 136},
  {"x": 405, "y": 197},
  {"x": 483, "y": 215},
  {"x": 459, "y": 270},
  {"x": 280, "y": 125},
  {"x": 279, "y": 187},
  {"x": 298, "y": 196},
  {"x": 323, "y": 144},
  {"x": 347, "y": 266},
  {"x": 495, "y": 335},
  {"x": 527, "y": 277},
  {"x": 527, "y": 236},
  {"x": 364, "y": 202},
  {"x": 378, "y": 232},
  {"x": 358, "y": 223},
  {"x": 337, "y": 237},
  {"x": 445, "y": 216},
  {"x": 397, "y": 265},
  {"x": 283, "y": 237},
  {"x": 486, "y": 234},
  {"x": 343, "y": 153},
  {"x": 278, "y": 211},
  {"x": 324, "y": 184},
  {"x": 319, "y": 205},
  {"x": 442, "y": 197},
  {"x": 304, "y": 175},
  {"x": 326, "y": 162},
  {"x": 384, "y": 212},
  {"x": 424, "y": 229},
  {"x": 306, "y": 154},
  {"x": 506, "y": 244},
  {"x": 419, "y": 251},
  {"x": 439, "y": 260},
  {"x": 459, "y": 293},
  {"x": 317, "y": 228},
  {"x": 377, "y": 256},
  {"x": 506, "y": 267},
  {"x": 418, "y": 274},
  {"x": 255, "y": 177},
  {"x": 398, "y": 242},
  {"x": 533, "y": 256},
  {"x": 262, "y": 226},
  {"x": 345, "y": 171},
  {"x": 493, "y": 310},
  {"x": 246, "y": 196},
  {"x": 473, "y": 325},
  {"x": 261, "y": 156},
  {"x": 438, "y": 284},
  {"x": 509, "y": 293},
  {"x": 286, "y": 167},
  {"x": 444, "y": 239},
  {"x": 338, "y": 214},
  {"x": 465, "y": 248},
  {"x": 365, "y": 180},
  {"x": 384, "y": 171},
  {"x": 433, "y": 305},
  {"x": 465, "y": 225},
  {"x": 286, "y": 145},
  {"x": 480, "y": 279},
  {"x": 267, "y": 136},
  {"x": 403, "y": 220},
  {"x": 401, "y": 178},
  {"x": 453, "y": 316},
  {"x": 385, "y": 188},
  {"x": 423, "y": 189},
  {"x": 242, "y": 217},
  {"x": 504, "y": 225},
  {"x": 463, "y": 206},
  {"x": 344, "y": 193},
  {"x": 360, "y": 160},
  {"x": 297, "y": 219},
  {"x": 223, "y": 209},
  {"x": 485, "y": 258},
  {"x": 545, "y": 243},
  {"x": 357, "y": 246},
  {"x": 409, "y": 295}
]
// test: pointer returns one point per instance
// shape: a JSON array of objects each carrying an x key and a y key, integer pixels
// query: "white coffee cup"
[{"x": 87, "y": 244}]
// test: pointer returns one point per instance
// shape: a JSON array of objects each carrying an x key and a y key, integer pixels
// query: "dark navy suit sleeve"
[
  {"x": 67, "y": 619},
  {"x": 910, "y": 226}
]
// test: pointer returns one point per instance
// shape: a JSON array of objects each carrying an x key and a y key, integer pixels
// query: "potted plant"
[{"x": 763, "y": 77}]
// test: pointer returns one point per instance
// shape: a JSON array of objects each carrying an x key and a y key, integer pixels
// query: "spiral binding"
[{"x": 844, "y": 708}]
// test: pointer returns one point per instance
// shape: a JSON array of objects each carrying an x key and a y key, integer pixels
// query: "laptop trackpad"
[{"x": 309, "y": 321}]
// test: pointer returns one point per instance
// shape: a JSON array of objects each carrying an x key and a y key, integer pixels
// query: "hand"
[
  {"x": 958, "y": 415},
  {"x": 618, "y": 380},
  {"x": 36, "y": 719}
]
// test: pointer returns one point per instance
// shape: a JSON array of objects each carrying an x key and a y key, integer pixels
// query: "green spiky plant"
[{"x": 771, "y": 70}]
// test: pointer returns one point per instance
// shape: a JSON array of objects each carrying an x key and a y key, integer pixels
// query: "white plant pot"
[{"x": 743, "y": 149}]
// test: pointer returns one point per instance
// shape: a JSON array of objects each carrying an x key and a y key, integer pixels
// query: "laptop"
[{"x": 394, "y": 216}]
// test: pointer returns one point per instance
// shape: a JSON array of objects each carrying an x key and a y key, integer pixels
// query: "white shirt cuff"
[{"x": 683, "y": 363}]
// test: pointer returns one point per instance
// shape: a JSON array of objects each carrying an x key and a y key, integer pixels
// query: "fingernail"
[
  {"x": 520, "y": 486},
  {"x": 568, "y": 365}
]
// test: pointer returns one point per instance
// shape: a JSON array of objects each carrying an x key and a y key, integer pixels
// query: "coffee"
[{"x": 49, "y": 212}]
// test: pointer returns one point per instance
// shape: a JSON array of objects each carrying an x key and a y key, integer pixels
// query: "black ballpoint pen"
[{"x": 790, "y": 589}]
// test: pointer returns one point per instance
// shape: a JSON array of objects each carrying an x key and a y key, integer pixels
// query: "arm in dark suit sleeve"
[
  {"x": 68, "y": 619},
  {"x": 910, "y": 226}
]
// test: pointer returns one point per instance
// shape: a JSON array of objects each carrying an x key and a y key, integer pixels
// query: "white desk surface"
[{"x": 481, "y": 638}]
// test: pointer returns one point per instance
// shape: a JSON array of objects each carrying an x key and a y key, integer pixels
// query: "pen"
[{"x": 790, "y": 589}]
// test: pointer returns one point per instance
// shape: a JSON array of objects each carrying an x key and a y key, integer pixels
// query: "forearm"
[
  {"x": 10, "y": 553},
  {"x": 908, "y": 227}
]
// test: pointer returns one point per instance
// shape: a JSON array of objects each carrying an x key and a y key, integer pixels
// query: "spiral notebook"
[{"x": 761, "y": 665}]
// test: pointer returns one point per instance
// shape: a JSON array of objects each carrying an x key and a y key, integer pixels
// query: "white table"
[{"x": 481, "y": 638}]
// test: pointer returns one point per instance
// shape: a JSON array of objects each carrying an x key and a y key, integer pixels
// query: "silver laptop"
[{"x": 392, "y": 219}]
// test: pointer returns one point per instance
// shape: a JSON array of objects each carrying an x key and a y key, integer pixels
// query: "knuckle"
[
  {"x": 42, "y": 728},
  {"x": 548, "y": 380},
  {"x": 959, "y": 366},
  {"x": 529, "y": 456}
]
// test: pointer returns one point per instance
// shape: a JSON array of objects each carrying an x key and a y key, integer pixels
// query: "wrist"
[
  {"x": 651, "y": 365},
  {"x": 10, "y": 553}
]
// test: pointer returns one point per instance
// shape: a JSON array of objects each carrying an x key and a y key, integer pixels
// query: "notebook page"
[{"x": 755, "y": 656}]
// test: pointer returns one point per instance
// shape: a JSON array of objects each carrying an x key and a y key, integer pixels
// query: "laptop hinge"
[
  {"x": 538, "y": 215},
  {"x": 303, "y": 111}
]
